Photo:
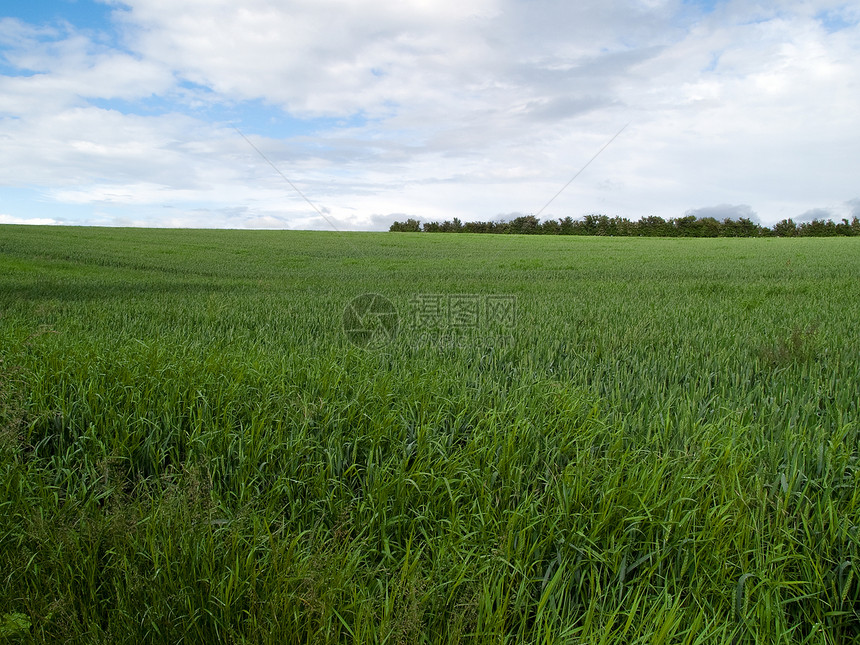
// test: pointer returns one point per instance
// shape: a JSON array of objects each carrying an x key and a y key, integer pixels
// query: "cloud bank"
[{"x": 390, "y": 109}]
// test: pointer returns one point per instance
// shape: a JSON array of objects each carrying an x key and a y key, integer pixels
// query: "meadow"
[{"x": 212, "y": 436}]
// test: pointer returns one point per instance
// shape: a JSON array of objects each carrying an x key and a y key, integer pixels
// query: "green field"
[{"x": 564, "y": 439}]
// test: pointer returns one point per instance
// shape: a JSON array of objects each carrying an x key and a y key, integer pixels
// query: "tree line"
[{"x": 652, "y": 226}]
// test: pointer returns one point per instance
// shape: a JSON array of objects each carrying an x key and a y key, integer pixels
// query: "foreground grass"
[{"x": 662, "y": 448}]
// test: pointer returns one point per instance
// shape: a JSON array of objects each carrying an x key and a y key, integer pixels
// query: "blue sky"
[
  {"x": 83, "y": 14},
  {"x": 124, "y": 112}
]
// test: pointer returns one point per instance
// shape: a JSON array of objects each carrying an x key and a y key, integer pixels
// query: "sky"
[{"x": 351, "y": 114}]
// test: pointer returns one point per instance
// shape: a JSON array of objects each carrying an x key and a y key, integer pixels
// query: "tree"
[
  {"x": 687, "y": 226},
  {"x": 785, "y": 228},
  {"x": 567, "y": 226},
  {"x": 524, "y": 224},
  {"x": 409, "y": 226},
  {"x": 653, "y": 226},
  {"x": 550, "y": 227}
]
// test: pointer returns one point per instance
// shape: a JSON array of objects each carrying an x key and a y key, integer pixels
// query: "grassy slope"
[{"x": 667, "y": 449}]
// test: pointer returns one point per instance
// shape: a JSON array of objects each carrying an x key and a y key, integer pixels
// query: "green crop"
[{"x": 655, "y": 442}]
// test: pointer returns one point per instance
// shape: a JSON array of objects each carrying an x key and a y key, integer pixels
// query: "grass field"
[{"x": 561, "y": 440}]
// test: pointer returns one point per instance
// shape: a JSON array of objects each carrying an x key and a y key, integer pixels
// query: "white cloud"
[
  {"x": 41, "y": 221},
  {"x": 463, "y": 108},
  {"x": 64, "y": 67},
  {"x": 314, "y": 58}
]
